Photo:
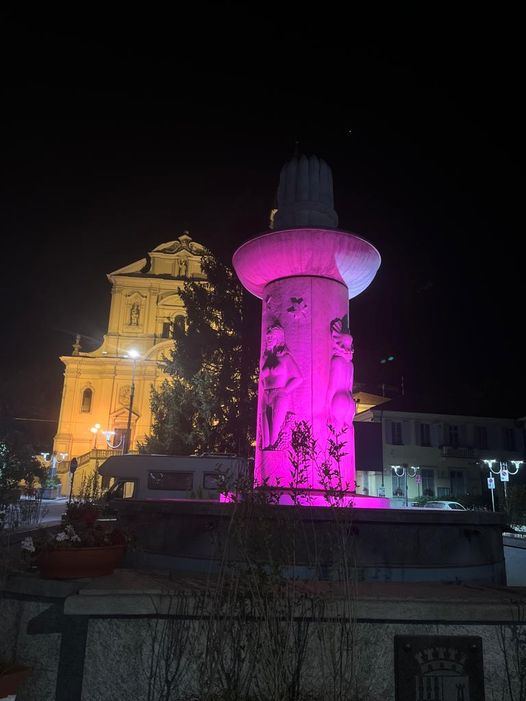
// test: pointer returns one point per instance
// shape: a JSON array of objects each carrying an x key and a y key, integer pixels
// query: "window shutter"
[
  {"x": 406, "y": 433},
  {"x": 388, "y": 434},
  {"x": 417, "y": 433},
  {"x": 436, "y": 435}
]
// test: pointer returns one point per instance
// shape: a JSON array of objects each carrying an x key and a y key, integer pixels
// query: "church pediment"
[
  {"x": 183, "y": 243},
  {"x": 176, "y": 259}
]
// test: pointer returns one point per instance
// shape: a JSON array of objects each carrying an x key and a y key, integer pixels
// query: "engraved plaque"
[{"x": 438, "y": 668}]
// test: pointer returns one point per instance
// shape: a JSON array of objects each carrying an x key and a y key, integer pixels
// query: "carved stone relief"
[
  {"x": 341, "y": 406},
  {"x": 279, "y": 377},
  {"x": 135, "y": 314},
  {"x": 134, "y": 310},
  {"x": 124, "y": 395},
  {"x": 182, "y": 267},
  {"x": 298, "y": 308}
]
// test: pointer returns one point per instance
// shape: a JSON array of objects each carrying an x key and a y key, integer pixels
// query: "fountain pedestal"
[{"x": 305, "y": 278}]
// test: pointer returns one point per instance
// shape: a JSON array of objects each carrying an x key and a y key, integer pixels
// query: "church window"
[
  {"x": 179, "y": 322},
  {"x": 87, "y": 396}
]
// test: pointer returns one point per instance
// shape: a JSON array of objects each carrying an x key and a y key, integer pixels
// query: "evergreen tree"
[{"x": 208, "y": 403}]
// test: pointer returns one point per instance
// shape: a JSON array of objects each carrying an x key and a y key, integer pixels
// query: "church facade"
[{"x": 107, "y": 389}]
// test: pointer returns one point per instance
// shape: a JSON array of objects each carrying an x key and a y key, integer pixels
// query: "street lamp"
[
  {"x": 504, "y": 473},
  {"x": 133, "y": 354},
  {"x": 95, "y": 430},
  {"x": 53, "y": 461},
  {"x": 108, "y": 435},
  {"x": 405, "y": 471}
]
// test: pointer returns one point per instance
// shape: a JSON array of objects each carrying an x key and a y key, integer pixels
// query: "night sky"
[{"x": 119, "y": 132}]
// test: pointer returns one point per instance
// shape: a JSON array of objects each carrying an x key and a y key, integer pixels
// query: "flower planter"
[
  {"x": 11, "y": 680},
  {"x": 74, "y": 563}
]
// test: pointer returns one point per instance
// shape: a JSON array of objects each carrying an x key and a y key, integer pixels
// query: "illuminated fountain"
[{"x": 305, "y": 272}]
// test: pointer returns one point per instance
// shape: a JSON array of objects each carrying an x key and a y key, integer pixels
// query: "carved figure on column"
[
  {"x": 341, "y": 406},
  {"x": 279, "y": 377}
]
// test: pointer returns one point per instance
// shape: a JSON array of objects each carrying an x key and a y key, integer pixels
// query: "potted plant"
[
  {"x": 52, "y": 488},
  {"x": 11, "y": 676},
  {"x": 82, "y": 547}
]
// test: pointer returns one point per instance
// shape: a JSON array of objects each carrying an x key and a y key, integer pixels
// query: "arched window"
[{"x": 87, "y": 396}]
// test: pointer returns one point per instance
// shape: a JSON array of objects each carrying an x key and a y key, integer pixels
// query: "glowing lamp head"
[{"x": 134, "y": 354}]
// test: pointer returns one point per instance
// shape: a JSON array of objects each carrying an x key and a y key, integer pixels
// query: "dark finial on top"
[
  {"x": 297, "y": 148},
  {"x": 305, "y": 194}
]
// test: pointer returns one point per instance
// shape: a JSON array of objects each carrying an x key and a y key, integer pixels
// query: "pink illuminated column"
[{"x": 305, "y": 277}]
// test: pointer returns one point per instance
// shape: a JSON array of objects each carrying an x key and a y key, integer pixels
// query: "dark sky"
[{"x": 120, "y": 131}]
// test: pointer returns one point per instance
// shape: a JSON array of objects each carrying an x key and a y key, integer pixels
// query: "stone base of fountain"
[
  {"x": 385, "y": 545},
  {"x": 286, "y": 496}
]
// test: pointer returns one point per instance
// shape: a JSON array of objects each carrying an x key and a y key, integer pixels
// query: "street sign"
[
  {"x": 418, "y": 479},
  {"x": 381, "y": 491},
  {"x": 491, "y": 482},
  {"x": 504, "y": 475},
  {"x": 73, "y": 465}
]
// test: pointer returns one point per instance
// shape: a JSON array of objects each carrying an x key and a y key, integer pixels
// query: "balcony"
[{"x": 449, "y": 451}]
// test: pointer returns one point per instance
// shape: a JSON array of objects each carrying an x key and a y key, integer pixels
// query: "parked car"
[{"x": 452, "y": 505}]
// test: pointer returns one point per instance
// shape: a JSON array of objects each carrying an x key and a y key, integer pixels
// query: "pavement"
[{"x": 53, "y": 510}]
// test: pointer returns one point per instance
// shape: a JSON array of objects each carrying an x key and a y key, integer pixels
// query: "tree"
[
  {"x": 17, "y": 462},
  {"x": 208, "y": 403}
]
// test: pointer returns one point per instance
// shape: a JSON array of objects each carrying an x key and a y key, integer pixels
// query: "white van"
[{"x": 159, "y": 477}]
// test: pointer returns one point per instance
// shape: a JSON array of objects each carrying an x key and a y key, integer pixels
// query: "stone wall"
[{"x": 93, "y": 640}]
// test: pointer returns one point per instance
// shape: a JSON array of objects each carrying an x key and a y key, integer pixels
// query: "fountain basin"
[{"x": 307, "y": 252}]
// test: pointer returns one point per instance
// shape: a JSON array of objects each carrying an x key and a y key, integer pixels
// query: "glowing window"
[
  {"x": 428, "y": 482},
  {"x": 87, "y": 396}
]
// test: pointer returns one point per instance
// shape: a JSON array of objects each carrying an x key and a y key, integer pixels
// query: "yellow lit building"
[{"x": 145, "y": 302}]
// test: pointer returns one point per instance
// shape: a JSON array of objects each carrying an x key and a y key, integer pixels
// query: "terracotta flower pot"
[
  {"x": 74, "y": 563},
  {"x": 11, "y": 679}
]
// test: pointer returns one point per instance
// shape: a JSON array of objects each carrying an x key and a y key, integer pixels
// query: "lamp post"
[
  {"x": 384, "y": 361},
  {"x": 53, "y": 461},
  {"x": 95, "y": 430},
  {"x": 108, "y": 435},
  {"x": 133, "y": 354},
  {"x": 504, "y": 473},
  {"x": 405, "y": 471}
]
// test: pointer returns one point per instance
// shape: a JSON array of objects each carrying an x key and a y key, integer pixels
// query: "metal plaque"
[{"x": 438, "y": 668}]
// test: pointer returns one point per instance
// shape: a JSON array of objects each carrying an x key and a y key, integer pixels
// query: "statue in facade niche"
[
  {"x": 183, "y": 267},
  {"x": 279, "y": 377},
  {"x": 341, "y": 406},
  {"x": 135, "y": 311}
]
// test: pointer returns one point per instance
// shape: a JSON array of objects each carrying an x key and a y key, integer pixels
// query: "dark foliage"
[{"x": 208, "y": 404}]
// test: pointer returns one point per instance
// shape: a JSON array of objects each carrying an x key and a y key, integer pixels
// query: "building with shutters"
[{"x": 449, "y": 450}]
